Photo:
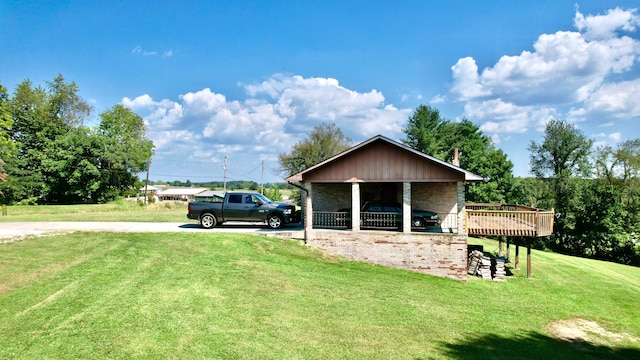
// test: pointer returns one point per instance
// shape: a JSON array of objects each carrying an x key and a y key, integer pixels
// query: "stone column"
[
  {"x": 460, "y": 225},
  {"x": 355, "y": 206},
  {"x": 308, "y": 213},
  {"x": 406, "y": 207}
]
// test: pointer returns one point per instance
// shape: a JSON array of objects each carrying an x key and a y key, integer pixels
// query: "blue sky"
[{"x": 246, "y": 80}]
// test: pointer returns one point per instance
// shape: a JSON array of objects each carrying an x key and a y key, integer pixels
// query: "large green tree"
[
  {"x": 561, "y": 158},
  {"x": 428, "y": 132},
  {"x": 6, "y": 144},
  {"x": 71, "y": 168},
  {"x": 608, "y": 216},
  {"x": 125, "y": 150},
  {"x": 323, "y": 142},
  {"x": 60, "y": 160}
]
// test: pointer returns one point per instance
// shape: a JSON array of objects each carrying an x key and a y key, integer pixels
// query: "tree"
[
  {"x": 613, "y": 200},
  {"x": 563, "y": 155},
  {"x": 600, "y": 227},
  {"x": 71, "y": 167},
  {"x": 425, "y": 132},
  {"x": 40, "y": 117},
  {"x": 324, "y": 141},
  {"x": 65, "y": 105},
  {"x": 6, "y": 144},
  {"x": 124, "y": 151},
  {"x": 273, "y": 193},
  {"x": 531, "y": 191},
  {"x": 431, "y": 134}
]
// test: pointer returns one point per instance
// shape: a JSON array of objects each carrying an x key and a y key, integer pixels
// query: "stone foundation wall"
[{"x": 443, "y": 255}]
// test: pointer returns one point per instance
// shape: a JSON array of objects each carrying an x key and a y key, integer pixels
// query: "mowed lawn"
[
  {"x": 120, "y": 210},
  {"x": 236, "y": 296}
]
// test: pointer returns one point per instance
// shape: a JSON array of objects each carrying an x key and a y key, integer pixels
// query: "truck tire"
[
  {"x": 275, "y": 221},
  {"x": 208, "y": 221}
]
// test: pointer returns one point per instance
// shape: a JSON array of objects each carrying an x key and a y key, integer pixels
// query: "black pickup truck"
[{"x": 241, "y": 206}]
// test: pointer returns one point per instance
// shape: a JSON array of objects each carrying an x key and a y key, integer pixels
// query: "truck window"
[{"x": 235, "y": 199}]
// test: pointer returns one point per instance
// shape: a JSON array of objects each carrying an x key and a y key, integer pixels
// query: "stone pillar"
[
  {"x": 460, "y": 226},
  {"x": 406, "y": 207},
  {"x": 308, "y": 213},
  {"x": 355, "y": 206}
]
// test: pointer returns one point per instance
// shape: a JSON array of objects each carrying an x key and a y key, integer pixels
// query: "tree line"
[
  {"x": 230, "y": 185},
  {"x": 49, "y": 154},
  {"x": 595, "y": 192}
]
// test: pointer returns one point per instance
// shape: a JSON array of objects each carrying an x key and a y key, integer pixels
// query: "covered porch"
[
  {"x": 336, "y": 217},
  {"x": 392, "y": 206}
]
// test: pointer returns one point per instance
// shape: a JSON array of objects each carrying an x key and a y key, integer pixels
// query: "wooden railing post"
[{"x": 528, "y": 258}]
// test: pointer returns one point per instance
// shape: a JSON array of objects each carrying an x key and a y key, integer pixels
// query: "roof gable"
[{"x": 380, "y": 159}]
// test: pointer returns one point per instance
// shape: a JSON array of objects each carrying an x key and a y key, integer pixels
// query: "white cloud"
[
  {"x": 615, "y": 137},
  {"x": 502, "y": 117},
  {"x": 606, "y": 26},
  {"x": 567, "y": 75},
  {"x": 305, "y": 102},
  {"x": 139, "y": 50},
  {"x": 466, "y": 80},
  {"x": 165, "y": 140},
  {"x": 621, "y": 100},
  {"x": 438, "y": 99},
  {"x": 163, "y": 114},
  {"x": 204, "y": 126}
]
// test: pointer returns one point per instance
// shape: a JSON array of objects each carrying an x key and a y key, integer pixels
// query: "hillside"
[{"x": 236, "y": 296}]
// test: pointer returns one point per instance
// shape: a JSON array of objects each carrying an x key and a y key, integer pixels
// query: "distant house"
[
  {"x": 381, "y": 169},
  {"x": 180, "y": 194},
  {"x": 150, "y": 189}
]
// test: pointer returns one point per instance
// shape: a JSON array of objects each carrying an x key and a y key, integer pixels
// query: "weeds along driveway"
[{"x": 21, "y": 229}]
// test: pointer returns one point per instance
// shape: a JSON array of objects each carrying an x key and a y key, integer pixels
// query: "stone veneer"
[{"x": 443, "y": 255}]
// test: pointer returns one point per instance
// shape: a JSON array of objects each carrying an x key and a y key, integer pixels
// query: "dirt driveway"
[{"x": 12, "y": 230}]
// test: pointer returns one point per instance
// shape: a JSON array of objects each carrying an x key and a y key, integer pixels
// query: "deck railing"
[
  {"x": 331, "y": 219},
  {"x": 374, "y": 220},
  {"x": 342, "y": 220},
  {"x": 507, "y": 220}
]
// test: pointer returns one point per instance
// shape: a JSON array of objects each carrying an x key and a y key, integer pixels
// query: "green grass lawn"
[
  {"x": 121, "y": 210},
  {"x": 237, "y": 296}
]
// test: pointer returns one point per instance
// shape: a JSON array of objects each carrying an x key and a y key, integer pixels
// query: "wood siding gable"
[{"x": 382, "y": 161}]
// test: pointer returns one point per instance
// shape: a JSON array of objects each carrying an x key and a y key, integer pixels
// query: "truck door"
[
  {"x": 241, "y": 207},
  {"x": 233, "y": 207},
  {"x": 255, "y": 212}
]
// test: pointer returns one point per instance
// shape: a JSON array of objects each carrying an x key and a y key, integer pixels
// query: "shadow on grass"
[{"x": 532, "y": 346}]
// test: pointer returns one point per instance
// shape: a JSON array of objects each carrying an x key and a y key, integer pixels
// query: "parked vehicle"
[
  {"x": 241, "y": 206},
  {"x": 389, "y": 214}
]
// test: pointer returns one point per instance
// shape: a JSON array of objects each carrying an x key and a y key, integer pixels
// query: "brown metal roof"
[{"x": 380, "y": 159}]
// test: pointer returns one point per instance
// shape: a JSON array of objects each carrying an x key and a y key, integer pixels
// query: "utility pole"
[
  {"x": 262, "y": 180},
  {"x": 146, "y": 184},
  {"x": 224, "y": 167}
]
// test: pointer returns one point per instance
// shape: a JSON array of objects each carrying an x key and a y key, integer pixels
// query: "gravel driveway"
[{"x": 14, "y": 230}]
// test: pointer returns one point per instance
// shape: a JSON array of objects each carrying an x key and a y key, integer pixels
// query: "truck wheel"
[
  {"x": 208, "y": 221},
  {"x": 275, "y": 221}
]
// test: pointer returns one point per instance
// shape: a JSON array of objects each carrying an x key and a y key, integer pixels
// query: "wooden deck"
[{"x": 507, "y": 220}]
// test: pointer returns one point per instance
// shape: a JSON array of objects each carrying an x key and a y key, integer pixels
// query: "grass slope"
[
  {"x": 121, "y": 210},
  {"x": 231, "y": 296}
]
